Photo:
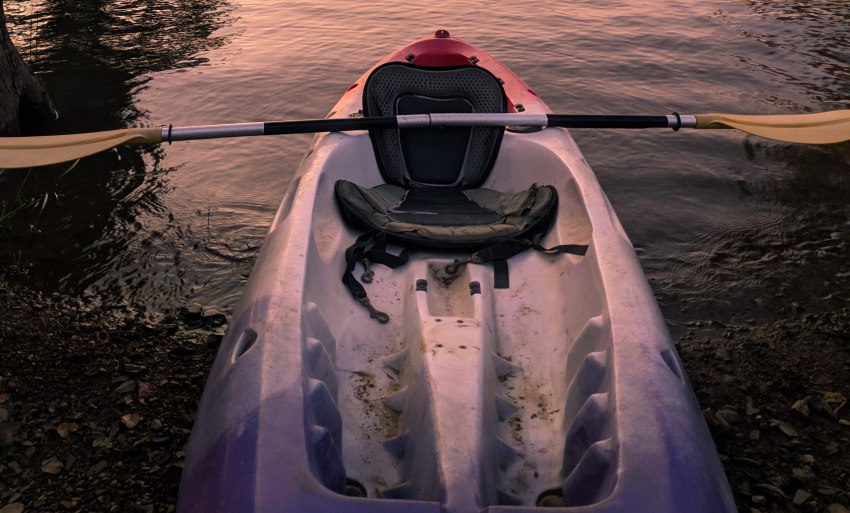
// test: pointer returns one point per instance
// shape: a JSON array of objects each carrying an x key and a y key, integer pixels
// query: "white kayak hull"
[{"x": 563, "y": 390}]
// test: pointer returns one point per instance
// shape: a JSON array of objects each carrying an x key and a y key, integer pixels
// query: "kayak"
[{"x": 448, "y": 320}]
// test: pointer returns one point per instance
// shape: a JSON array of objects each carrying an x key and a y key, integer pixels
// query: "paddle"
[{"x": 821, "y": 128}]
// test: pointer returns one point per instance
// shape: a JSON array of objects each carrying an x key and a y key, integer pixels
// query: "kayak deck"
[{"x": 562, "y": 390}]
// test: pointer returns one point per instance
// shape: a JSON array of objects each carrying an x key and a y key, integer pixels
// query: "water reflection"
[
  {"x": 807, "y": 40},
  {"x": 777, "y": 241},
  {"x": 111, "y": 47},
  {"x": 108, "y": 213},
  {"x": 717, "y": 217},
  {"x": 783, "y": 254}
]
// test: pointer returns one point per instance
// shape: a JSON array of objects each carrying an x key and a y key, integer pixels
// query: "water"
[{"x": 726, "y": 226}]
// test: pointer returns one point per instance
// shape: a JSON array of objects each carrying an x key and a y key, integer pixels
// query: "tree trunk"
[{"x": 24, "y": 103}]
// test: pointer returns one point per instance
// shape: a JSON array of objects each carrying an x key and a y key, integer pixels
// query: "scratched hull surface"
[{"x": 562, "y": 390}]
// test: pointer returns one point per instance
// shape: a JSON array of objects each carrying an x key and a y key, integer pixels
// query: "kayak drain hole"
[
  {"x": 246, "y": 340},
  {"x": 354, "y": 489},
  {"x": 551, "y": 499}
]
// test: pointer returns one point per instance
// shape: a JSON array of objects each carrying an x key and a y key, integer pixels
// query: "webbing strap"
[
  {"x": 371, "y": 247},
  {"x": 503, "y": 249},
  {"x": 506, "y": 248},
  {"x": 352, "y": 256},
  {"x": 368, "y": 248},
  {"x": 501, "y": 274}
]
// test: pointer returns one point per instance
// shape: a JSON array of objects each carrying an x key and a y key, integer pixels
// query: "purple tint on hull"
[{"x": 224, "y": 477}]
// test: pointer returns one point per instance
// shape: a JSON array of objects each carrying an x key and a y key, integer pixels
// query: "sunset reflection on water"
[{"x": 183, "y": 223}]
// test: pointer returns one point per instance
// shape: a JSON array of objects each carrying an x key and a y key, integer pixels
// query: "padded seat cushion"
[{"x": 446, "y": 217}]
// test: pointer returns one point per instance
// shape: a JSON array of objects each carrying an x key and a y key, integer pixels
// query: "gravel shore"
[{"x": 97, "y": 403}]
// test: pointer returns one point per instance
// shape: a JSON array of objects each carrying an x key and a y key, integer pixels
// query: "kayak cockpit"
[
  {"x": 432, "y": 197},
  {"x": 460, "y": 398}
]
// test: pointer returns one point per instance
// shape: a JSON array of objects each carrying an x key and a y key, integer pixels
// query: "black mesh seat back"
[{"x": 435, "y": 157}]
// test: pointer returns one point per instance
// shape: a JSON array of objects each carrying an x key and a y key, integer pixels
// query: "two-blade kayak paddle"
[{"x": 21, "y": 152}]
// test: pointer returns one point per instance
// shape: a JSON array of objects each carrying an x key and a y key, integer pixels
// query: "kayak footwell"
[{"x": 449, "y": 415}]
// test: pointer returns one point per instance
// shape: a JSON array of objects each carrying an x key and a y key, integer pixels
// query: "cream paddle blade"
[
  {"x": 821, "y": 128},
  {"x": 18, "y": 152}
]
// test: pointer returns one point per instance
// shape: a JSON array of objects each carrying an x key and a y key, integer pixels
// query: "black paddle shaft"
[
  {"x": 581, "y": 121},
  {"x": 390, "y": 122},
  {"x": 329, "y": 125}
]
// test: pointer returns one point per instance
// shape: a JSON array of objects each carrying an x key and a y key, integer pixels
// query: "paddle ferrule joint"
[{"x": 677, "y": 121}]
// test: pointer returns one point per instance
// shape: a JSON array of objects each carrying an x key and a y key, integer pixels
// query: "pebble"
[
  {"x": 134, "y": 369},
  {"x": 52, "y": 465},
  {"x": 800, "y": 497},
  {"x": 107, "y": 416},
  {"x": 803, "y": 474},
  {"x": 772, "y": 489},
  {"x": 65, "y": 429},
  {"x": 126, "y": 387},
  {"x": 98, "y": 467},
  {"x": 131, "y": 420},
  {"x": 787, "y": 428},
  {"x": 729, "y": 416},
  {"x": 724, "y": 354}
]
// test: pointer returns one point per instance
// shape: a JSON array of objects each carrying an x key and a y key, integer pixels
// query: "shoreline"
[{"x": 97, "y": 403}]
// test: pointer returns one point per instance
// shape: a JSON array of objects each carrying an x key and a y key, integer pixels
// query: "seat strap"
[
  {"x": 370, "y": 247},
  {"x": 503, "y": 249}
]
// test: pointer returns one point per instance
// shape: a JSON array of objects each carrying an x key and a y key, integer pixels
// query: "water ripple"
[{"x": 720, "y": 220}]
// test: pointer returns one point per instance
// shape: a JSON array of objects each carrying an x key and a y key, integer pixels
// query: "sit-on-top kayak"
[{"x": 492, "y": 344}]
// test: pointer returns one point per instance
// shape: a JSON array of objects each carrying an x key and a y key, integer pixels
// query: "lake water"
[{"x": 727, "y": 226}]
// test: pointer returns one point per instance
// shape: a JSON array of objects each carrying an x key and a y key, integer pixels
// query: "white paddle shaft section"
[
  {"x": 190, "y": 133},
  {"x": 437, "y": 120},
  {"x": 688, "y": 121}
]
